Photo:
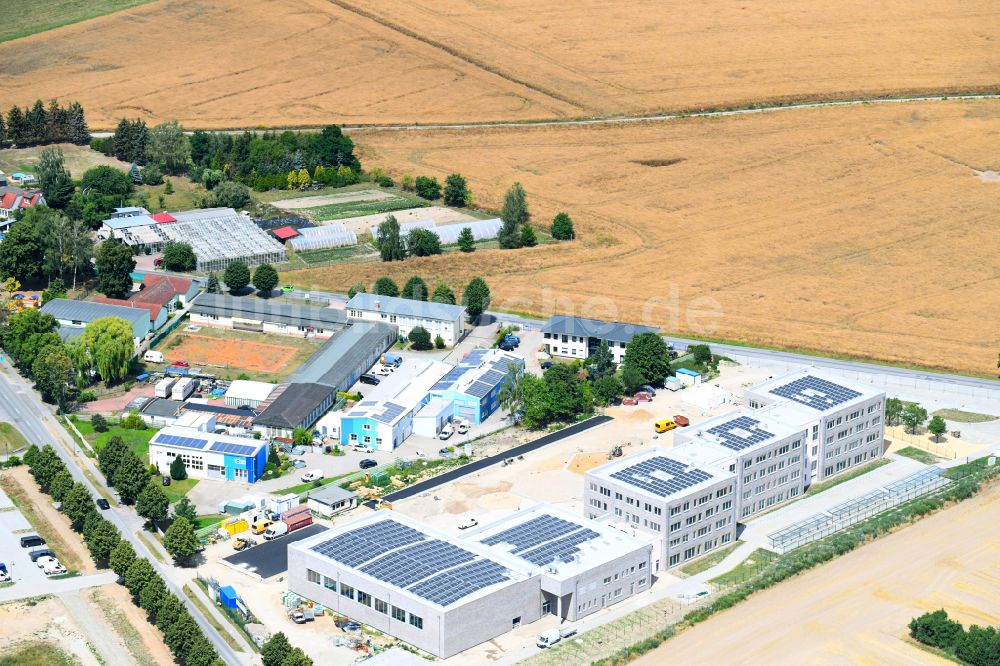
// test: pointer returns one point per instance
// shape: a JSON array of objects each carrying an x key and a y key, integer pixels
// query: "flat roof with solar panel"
[
  {"x": 813, "y": 390},
  {"x": 180, "y": 437},
  {"x": 717, "y": 440},
  {"x": 661, "y": 473},
  {"x": 479, "y": 372}
]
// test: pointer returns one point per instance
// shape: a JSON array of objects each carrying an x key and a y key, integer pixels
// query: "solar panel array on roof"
[
  {"x": 503, "y": 364},
  {"x": 492, "y": 377},
  {"x": 391, "y": 411},
  {"x": 661, "y": 476},
  {"x": 450, "y": 378},
  {"x": 186, "y": 442},
  {"x": 814, "y": 392},
  {"x": 450, "y": 586},
  {"x": 368, "y": 403},
  {"x": 475, "y": 357},
  {"x": 560, "y": 549},
  {"x": 532, "y": 532},
  {"x": 740, "y": 433},
  {"x": 415, "y": 562},
  {"x": 479, "y": 389},
  {"x": 235, "y": 449},
  {"x": 368, "y": 542}
]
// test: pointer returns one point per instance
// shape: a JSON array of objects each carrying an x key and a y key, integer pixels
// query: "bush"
[
  {"x": 133, "y": 421},
  {"x": 439, "y": 342},
  {"x": 99, "y": 423},
  {"x": 427, "y": 188},
  {"x": 86, "y": 396},
  {"x": 420, "y": 338}
]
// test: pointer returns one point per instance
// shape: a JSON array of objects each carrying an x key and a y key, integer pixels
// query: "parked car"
[
  {"x": 461, "y": 425},
  {"x": 103, "y": 504},
  {"x": 288, "y": 288},
  {"x": 467, "y": 523},
  {"x": 32, "y": 541},
  {"x": 50, "y": 565},
  {"x": 4, "y": 574},
  {"x": 181, "y": 364},
  {"x": 629, "y": 401},
  {"x": 682, "y": 421},
  {"x": 165, "y": 480},
  {"x": 367, "y": 463},
  {"x": 548, "y": 638},
  {"x": 646, "y": 388},
  {"x": 301, "y": 615},
  {"x": 445, "y": 452},
  {"x": 446, "y": 432},
  {"x": 382, "y": 370},
  {"x": 642, "y": 396},
  {"x": 41, "y": 552},
  {"x": 547, "y": 364},
  {"x": 663, "y": 425},
  {"x": 363, "y": 448},
  {"x": 275, "y": 530},
  {"x": 506, "y": 346},
  {"x": 672, "y": 354},
  {"x": 299, "y": 463},
  {"x": 312, "y": 475},
  {"x": 369, "y": 379}
]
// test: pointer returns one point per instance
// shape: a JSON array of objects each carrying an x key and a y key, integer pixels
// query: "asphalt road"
[
  {"x": 270, "y": 558},
  {"x": 20, "y": 405}
]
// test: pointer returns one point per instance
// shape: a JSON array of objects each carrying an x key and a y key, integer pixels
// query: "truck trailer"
[{"x": 164, "y": 386}]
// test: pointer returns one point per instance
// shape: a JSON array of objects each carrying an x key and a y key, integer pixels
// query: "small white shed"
[
  {"x": 705, "y": 397},
  {"x": 331, "y": 499},
  {"x": 432, "y": 417}
]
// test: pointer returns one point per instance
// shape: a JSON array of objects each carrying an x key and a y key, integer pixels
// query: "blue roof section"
[
  {"x": 689, "y": 373},
  {"x": 406, "y": 307}
]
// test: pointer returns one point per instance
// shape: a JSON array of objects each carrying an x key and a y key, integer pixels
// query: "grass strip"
[
  {"x": 960, "y": 416},
  {"x": 200, "y": 605},
  {"x": 53, "y": 538},
  {"x": 817, "y": 488},
  {"x": 36, "y": 653},
  {"x": 11, "y": 439},
  {"x": 708, "y": 561},
  {"x": 919, "y": 455},
  {"x": 121, "y": 624},
  {"x": 152, "y": 548}
]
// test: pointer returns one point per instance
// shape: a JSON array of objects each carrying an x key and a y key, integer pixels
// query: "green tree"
[
  {"x": 101, "y": 537},
  {"x": 140, "y": 573},
  {"x": 27, "y": 333},
  {"x": 602, "y": 362},
  {"x": 466, "y": 241},
  {"x": 99, "y": 423},
  {"x": 476, "y": 298},
  {"x": 169, "y": 148},
  {"x": 980, "y": 646},
  {"x": 528, "y": 236},
  {"x": 439, "y": 342},
  {"x": 893, "y": 411},
  {"x": 168, "y": 189},
  {"x": 512, "y": 392},
  {"x": 406, "y": 182},
  {"x": 53, "y": 371},
  {"x": 514, "y": 214},
  {"x": 355, "y": 289},
  {"x": 31, "y": 456},
  {"x": 566, "y": 398},
  {"x": 54, "y": 178},
  {"x": 107, "y": 180},
  {"x": 237, "y": 276},
  {"x": 275, "y": 649},
  {"x": 171, "y": 609},
  {"x": 297, "y": 658},
  {"x": 201, "y": 653},
  {"x": 106, "y": 346},
  {"x": 180, "y": 540},
  {"x": 536, "y": 411},
  {"x": 415, "y": 289},
  {"x": 647, "y": 353},
  {"x": 301, "y": 437},
  {"x": 265, "y": 279},
  {"x": 151, "y": 503},
  {"x": 228, "y": 194},
  {"x": 443, "y": 294},
  {"x": 420, "y": 339},
  {"x": 562, "y": 227},
  {"x": 130, "y": 477},
  {"x": 608, "y": 390},
  {"x": 56, "y": 289},
  {"x": 179, "y": 257},
  {"x": 46, "y": 467},
  {"x": 115, "y": 265},
  {"x": 390, "y": 240},
  {"x": 121, "y": 558},
  {"x": 76, "y": 504},
  {"x": 78, "y": 132},
  {"x": 937, "y": 629},
  {"x": 151, "y": 175},
  {"x": 21, "y": 252},
  {"x": 385, "y": 287},
  {"x": 937, "y": 427},
  {"x": 422, "y": 243},
  {"x": 213, "y": 284},
  {"x": 178, "y": 472},
  {"x": 181, "y": 636},
  {"x": 60, "y": 485},
  {"x": 702, "y": 354},
  {"x": 428, "y": 187},
  {"x": 110, "y": 457},
  {"x": 913, "y": 417},
  {"x": 153, "y": 593},
  {"x": 632, "y": 378},
  {"x": 456, "y": 191},
  {"x": 185, "y": 509}
]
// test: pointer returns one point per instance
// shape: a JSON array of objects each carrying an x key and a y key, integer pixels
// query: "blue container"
[{"x": 228, "y": 596}]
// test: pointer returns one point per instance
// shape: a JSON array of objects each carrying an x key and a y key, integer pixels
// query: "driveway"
[{"x": 270, "y": 558}]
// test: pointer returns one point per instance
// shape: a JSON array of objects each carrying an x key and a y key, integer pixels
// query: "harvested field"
[
  {"x": 855, "y": 609},
  {"x": 315, "y": 63},
  {"x": 42, "y": 15},
  {"x": 857, "y": 230},
  {"x": 202, "y": 350}
]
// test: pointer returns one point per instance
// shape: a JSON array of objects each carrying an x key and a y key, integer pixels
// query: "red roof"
[
  {"x": 284, "y": 233},
  {"x": 159, "y": 293},
  {"x": 180, "y": 285},
  {"x": 7, "y": 200},
  {"x": 152, "y": 308},
  {"x": 160, "y": 218}
]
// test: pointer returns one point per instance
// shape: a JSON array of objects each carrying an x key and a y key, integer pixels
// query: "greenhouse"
[
  {"x": 407, "y": 227},
  {"x": 318, "y": 238},
  {"x": 481, "y": 230},
  {"x": 220, "y": 236}
]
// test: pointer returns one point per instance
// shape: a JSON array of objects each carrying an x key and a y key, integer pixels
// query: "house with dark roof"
[
  {"x": 266, "y": 316},
  {"x": 442, "y": 319},
  {"x": 73, "y": 317},
  {"x": 578, "y": 337},
  {"x": 347, "y": 355},
  {"x": 293, "y": 406}
]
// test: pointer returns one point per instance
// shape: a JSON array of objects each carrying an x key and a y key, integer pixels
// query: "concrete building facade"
[
  {"x": 578, "y": 337},
  {"x": 207, "y": 455},
  {"x": 442, "y": 319}
]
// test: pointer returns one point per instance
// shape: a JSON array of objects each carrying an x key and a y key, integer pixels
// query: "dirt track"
[{"x": 855, "y": 610}]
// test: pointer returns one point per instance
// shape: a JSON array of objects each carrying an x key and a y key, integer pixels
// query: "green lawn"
[
  {"x": 339, "y": 211},
  {"x": 29, "y": 18},
  {"x": 36, "y": 654},
  {"x": 11, "y": 439},
  {"x": 959, "y": 416},
  {"x": 178, "y": 489},
  {"x": 332, "y": 254},
  {"x": 817, "y": 488},
  {"x": 208, "y": 519},
  {"x": 745, "y": 569},
  {"x": 919, "y": 455},
  {"x": 708, "y": 561},
  {"x": 302, "y": 487},
  {"x": 137, "y": 439}
]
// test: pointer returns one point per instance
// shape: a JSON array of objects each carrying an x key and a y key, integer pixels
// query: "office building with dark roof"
[
  {"x": 263, "y": 315},
  {"x": 579, "y": 337}
]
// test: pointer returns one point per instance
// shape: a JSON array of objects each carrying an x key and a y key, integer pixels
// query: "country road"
[{"x": 612, "y": 120}]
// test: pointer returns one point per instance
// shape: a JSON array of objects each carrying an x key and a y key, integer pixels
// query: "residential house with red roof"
[
  {"x": 13, "y": 199},
  {"x": 166, "y": 290},
  {"x": 157, "y": 313}
]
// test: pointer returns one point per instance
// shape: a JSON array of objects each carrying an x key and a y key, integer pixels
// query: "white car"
[
  {"x": 50, "y": 565},
  {"x": 467, "y": 523},
  {"x": 383, "y": 370},
  {"x": 420, "y": 455},
  {"x": 446, "y": 432},
  {"x": 461, "y": 425},
  {"x": 363, "y": 448},
  {"x": 312, "y": 475}
]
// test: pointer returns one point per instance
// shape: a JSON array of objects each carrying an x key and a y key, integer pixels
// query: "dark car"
[
  {"x": 646, "y": 388},
  {"x": 506, "y": 346},
  {"x": 32, "y": 541},
  {"x": 369, "y": 379},
  {"x": 547, "y": 364},
  {"x": 41, "y": 552},
  {"x": 103, "y": 504},
  {"x": 166, "y": 480},
  {"x": 366, "y": 463}
]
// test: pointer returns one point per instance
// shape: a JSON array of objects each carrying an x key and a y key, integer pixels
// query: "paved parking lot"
[
  {"x": 13, "y": 526},
  {"x": 271, "y": 557}
]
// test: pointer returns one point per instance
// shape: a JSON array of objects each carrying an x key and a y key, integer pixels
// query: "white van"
[
  {"x": 548, "y": 638},
  {"x": 363, "y": 448},
  {"x": 153, "y": 356},
  {"x": 275, "y": 530},
  {"x": 312, "y": 475}
]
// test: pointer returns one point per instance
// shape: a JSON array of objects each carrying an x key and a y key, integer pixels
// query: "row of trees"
[
  {"x": 237, "y": 277},
  {"x": 912, "y": 416},
  {"x": 38, "y": 125},
  {"x": 979, "y": 646},
  {"x": 164, "y": 609},
  {"x": 517, "y": 230},
  {"x": 475, "y": 297}
]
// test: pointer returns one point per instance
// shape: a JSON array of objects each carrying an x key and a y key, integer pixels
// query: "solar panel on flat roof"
[
  {"x": 814, "y": 392},
  {"x": 366, "y": 543},
  {"x": 492, "y": 377},
  {"x": 740, "y": 433},
  {"x": 413, "y": 563},
  {"x": 475, "y": 356},
  {"x": 235, "y": 449},
  {"x": 391, "y": 411},
  {"x": 177, "y": 440},
  {"x": 661, "y": 476},
  {"x": 450, "y": 586},
  {"x": 532, "y": 532},
  {"x": 479, "y": 389},
  {"x": 560, "y": 549}
]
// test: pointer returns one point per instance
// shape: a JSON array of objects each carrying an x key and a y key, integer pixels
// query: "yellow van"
[
  {"x": 260, "y": 526},
  {"x": 664, "y": 425}
]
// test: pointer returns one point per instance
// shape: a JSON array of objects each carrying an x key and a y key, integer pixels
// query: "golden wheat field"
[
  {"x": 862, "y": 230},
  {"x": 248, "y": 63}
]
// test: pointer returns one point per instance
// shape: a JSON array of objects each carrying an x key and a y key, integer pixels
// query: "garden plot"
[
  {"x": 439, "y": 215},
  {"x": 327, "y": 199}
]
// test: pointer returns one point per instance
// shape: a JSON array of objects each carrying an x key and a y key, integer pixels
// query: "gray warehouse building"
[{"x": 445, "y": 594}]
